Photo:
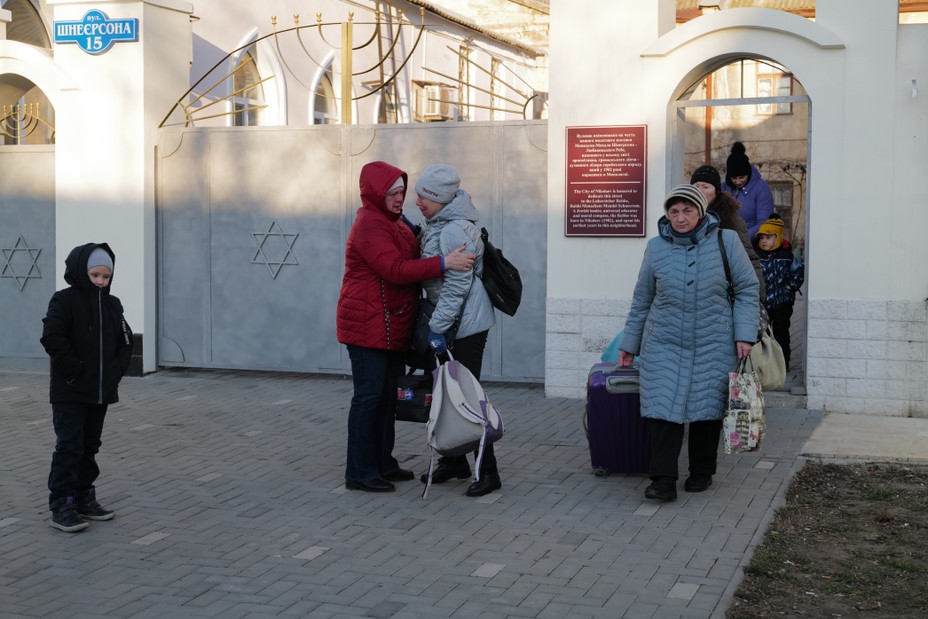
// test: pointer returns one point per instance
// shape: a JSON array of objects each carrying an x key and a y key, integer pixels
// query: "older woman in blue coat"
[{"x": 689, "y": 337}]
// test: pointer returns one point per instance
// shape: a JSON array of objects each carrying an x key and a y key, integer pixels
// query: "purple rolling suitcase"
[{"x": 616, "y": 432}]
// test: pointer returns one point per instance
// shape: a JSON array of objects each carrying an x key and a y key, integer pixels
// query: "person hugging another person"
[
  {"x": 374, "y": 319},
  {"x": 744, "y": 183},
  {"x": 783, "y": 275},
  {"x": 90, "y": 345},
  {"x": 459, "y": 299}
]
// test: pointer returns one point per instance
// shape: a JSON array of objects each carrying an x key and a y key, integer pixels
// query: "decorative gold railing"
[
  {"x": 20, "y": 120},
  {"x": 195, "y": 110}
]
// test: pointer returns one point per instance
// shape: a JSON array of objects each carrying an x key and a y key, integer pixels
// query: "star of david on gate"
[
  {"x": 276, "y": 242},
  {"x": 30, "y": 269}
]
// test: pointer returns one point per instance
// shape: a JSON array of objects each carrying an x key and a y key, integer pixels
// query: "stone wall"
[{"x": 868, "y": 357}]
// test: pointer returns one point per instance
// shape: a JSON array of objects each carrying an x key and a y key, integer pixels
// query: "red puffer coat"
[{"x": 378, "y": 301}]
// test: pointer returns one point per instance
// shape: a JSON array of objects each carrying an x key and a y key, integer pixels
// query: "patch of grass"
[
  {"x": 905, "y": 566},
  {"x": 879, "y": 495},
  {"x": 767, "y": 562},
  {"x": 849, "y": 542}
]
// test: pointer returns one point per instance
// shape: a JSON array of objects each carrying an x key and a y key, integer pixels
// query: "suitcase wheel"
[{"x": 600, "y": 472}]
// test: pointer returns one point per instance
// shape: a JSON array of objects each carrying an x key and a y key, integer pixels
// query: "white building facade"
[{"x": 866, "y": 283}]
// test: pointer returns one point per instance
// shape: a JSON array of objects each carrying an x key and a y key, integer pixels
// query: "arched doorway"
[{"x": 759, "y": 103}]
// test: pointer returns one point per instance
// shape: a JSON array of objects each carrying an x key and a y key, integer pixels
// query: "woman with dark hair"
[{"x": 707, "y": 180}]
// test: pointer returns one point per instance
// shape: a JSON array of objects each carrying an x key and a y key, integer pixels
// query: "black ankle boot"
[
  {"x": 662, "y": 489},
  {"x": 486, "y": 485},
  {"x": 697, "y": 483},
  {"x": 448, "y": 468}
]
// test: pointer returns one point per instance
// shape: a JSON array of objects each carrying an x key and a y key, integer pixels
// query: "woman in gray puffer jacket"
[
  {"x": 459, "y": 297},
  {"x": 688, "y": 337}
]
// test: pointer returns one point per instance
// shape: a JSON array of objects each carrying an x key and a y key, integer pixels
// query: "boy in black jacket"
[{"x": 90, "y": 346}]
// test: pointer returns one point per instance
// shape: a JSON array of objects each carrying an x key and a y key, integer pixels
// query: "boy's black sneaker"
[
  {"x": 65, "y": 518},
  {"x": 89, "y": 508}
]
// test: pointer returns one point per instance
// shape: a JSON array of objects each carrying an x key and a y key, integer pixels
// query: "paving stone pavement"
[{"x": 230, "y": 499}]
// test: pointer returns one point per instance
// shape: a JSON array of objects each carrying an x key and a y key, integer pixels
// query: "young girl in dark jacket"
[
  {"x": 783, "y": 275},
  {"x": 90, "y": 346}
]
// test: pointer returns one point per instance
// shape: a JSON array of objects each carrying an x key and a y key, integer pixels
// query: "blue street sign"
[{"x": 96, "y": 33}]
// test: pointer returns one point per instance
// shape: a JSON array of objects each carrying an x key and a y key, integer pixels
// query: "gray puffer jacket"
[
  {"x": 681, "y": 324},
  {"x": 455, "y": 225}
]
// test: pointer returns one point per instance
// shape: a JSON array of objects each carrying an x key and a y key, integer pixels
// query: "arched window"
[
  {"x": 247, "y": 91},
  {"x": 26, "y": 114},
  {"x": 325, "y": 105}
]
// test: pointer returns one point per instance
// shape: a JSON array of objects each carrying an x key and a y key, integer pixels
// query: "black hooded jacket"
[{"x": 86, "y": 336}]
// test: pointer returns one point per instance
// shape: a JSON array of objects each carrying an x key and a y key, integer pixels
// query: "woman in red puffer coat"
[{"x": 375, "y": 317}]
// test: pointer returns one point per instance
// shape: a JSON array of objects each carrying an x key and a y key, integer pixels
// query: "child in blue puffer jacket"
[{"x": 783, "y": 276}]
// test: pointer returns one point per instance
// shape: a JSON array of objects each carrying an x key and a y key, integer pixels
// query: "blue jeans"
[
  {"x": 372, "y": 415},
  {"x": 78, "y": 428}
]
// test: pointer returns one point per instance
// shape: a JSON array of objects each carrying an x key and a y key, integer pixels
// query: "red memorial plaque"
[{"x": 606, "y": 171}]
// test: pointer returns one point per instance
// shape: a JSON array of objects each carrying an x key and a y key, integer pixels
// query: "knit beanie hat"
[
  {"x": 773, "y": 225},
  {"x": 399, "y": 183},
  {"x": 439, "y": 183},
  {"x": 688, "y": 193},
  {"x": 738, "y": 163},
  {"x": 100, "y": 258},
  {"x": 707, "y": 174}
]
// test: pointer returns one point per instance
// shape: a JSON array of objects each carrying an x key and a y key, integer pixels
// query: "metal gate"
[
  {"x": 252, "y": 224},
  {"x": 27, "y": 251}
]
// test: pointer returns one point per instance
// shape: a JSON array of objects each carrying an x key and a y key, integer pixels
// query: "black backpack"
[{"x": 500, "y": 278}]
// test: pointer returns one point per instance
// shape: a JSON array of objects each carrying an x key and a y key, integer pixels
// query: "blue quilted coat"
[{"x": 682, "y": 325}]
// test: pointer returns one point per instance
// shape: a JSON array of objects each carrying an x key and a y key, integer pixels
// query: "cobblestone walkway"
[{"x": 230, "y": 500}]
